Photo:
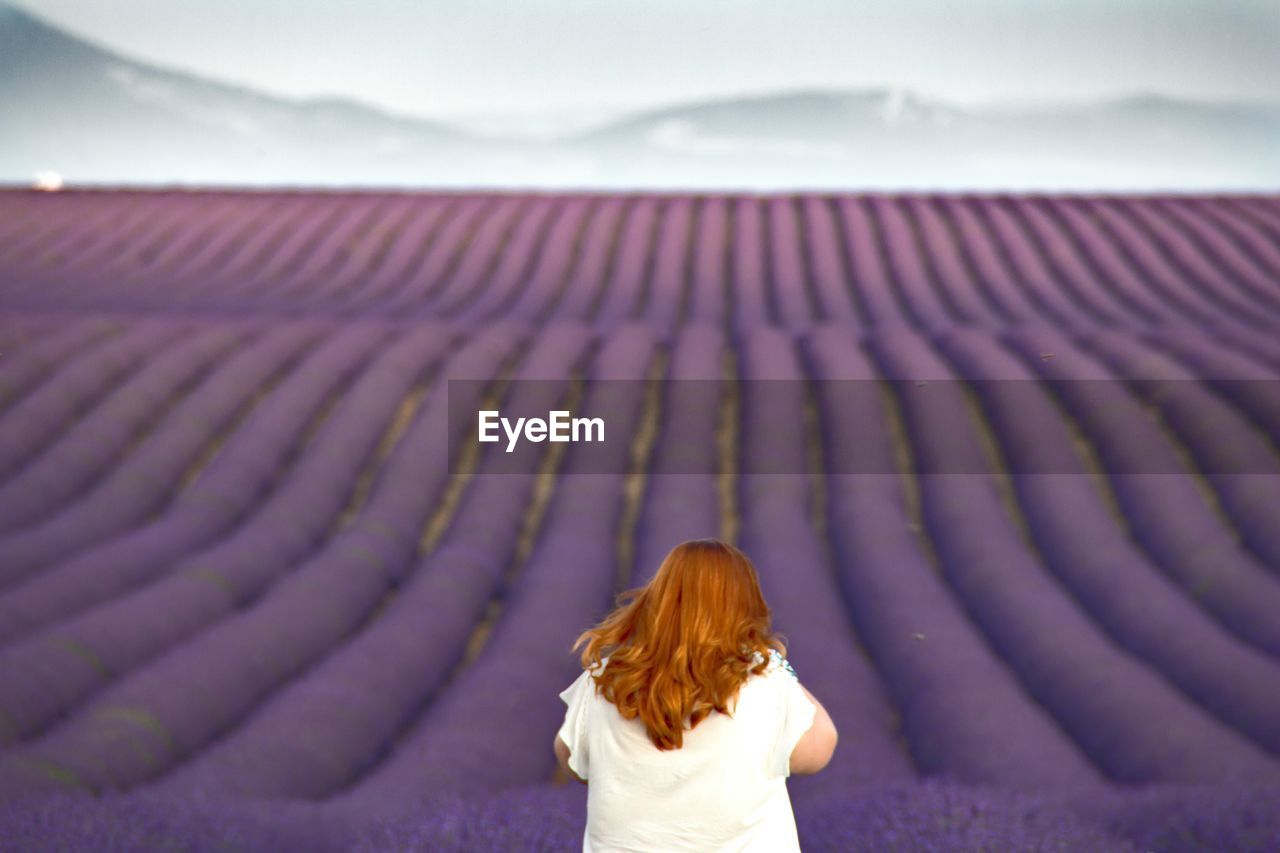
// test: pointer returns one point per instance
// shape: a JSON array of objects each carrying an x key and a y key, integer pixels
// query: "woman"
[{"x": 687, "y": 718}]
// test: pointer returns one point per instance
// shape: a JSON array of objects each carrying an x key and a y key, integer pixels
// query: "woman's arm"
[
  {"x": 562, "y": 757},
  {"x": 816, "y": 746}
]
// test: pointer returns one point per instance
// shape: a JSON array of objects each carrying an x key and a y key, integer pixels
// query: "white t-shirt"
[{"x": 724, "y": 789}]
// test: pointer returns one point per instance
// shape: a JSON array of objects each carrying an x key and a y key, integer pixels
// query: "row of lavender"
[
  {"x": 268, "y": 584},
  {"x": 734, "y": 261}
]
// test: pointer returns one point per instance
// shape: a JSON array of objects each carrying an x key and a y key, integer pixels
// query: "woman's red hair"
[{"x": 681, "y": 646}]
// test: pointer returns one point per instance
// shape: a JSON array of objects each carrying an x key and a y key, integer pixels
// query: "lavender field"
[{"x": 1021, "y": 530}]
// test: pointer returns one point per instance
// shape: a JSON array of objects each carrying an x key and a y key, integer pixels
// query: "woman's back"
[{"x": 723, "y": 789}]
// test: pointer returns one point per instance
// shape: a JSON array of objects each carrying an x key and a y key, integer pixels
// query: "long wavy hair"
[{"x": 682, "y": 645}]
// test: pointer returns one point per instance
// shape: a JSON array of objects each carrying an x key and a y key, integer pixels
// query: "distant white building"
[{"x": 47, "y": 181}]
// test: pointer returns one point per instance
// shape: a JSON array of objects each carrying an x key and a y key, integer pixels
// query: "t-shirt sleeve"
[
  {"x": 573, "y": 730},
  {"x": 795, "y": 716}
]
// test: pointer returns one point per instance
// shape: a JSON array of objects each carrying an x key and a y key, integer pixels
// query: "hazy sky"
[{"x": 434, "y": 58}]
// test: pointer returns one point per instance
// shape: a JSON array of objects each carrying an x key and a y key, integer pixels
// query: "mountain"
[
  {"x": 98, "y": 117},
  {"x": 95, "y": 115},
  {"x": 888, "y": 138}
]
